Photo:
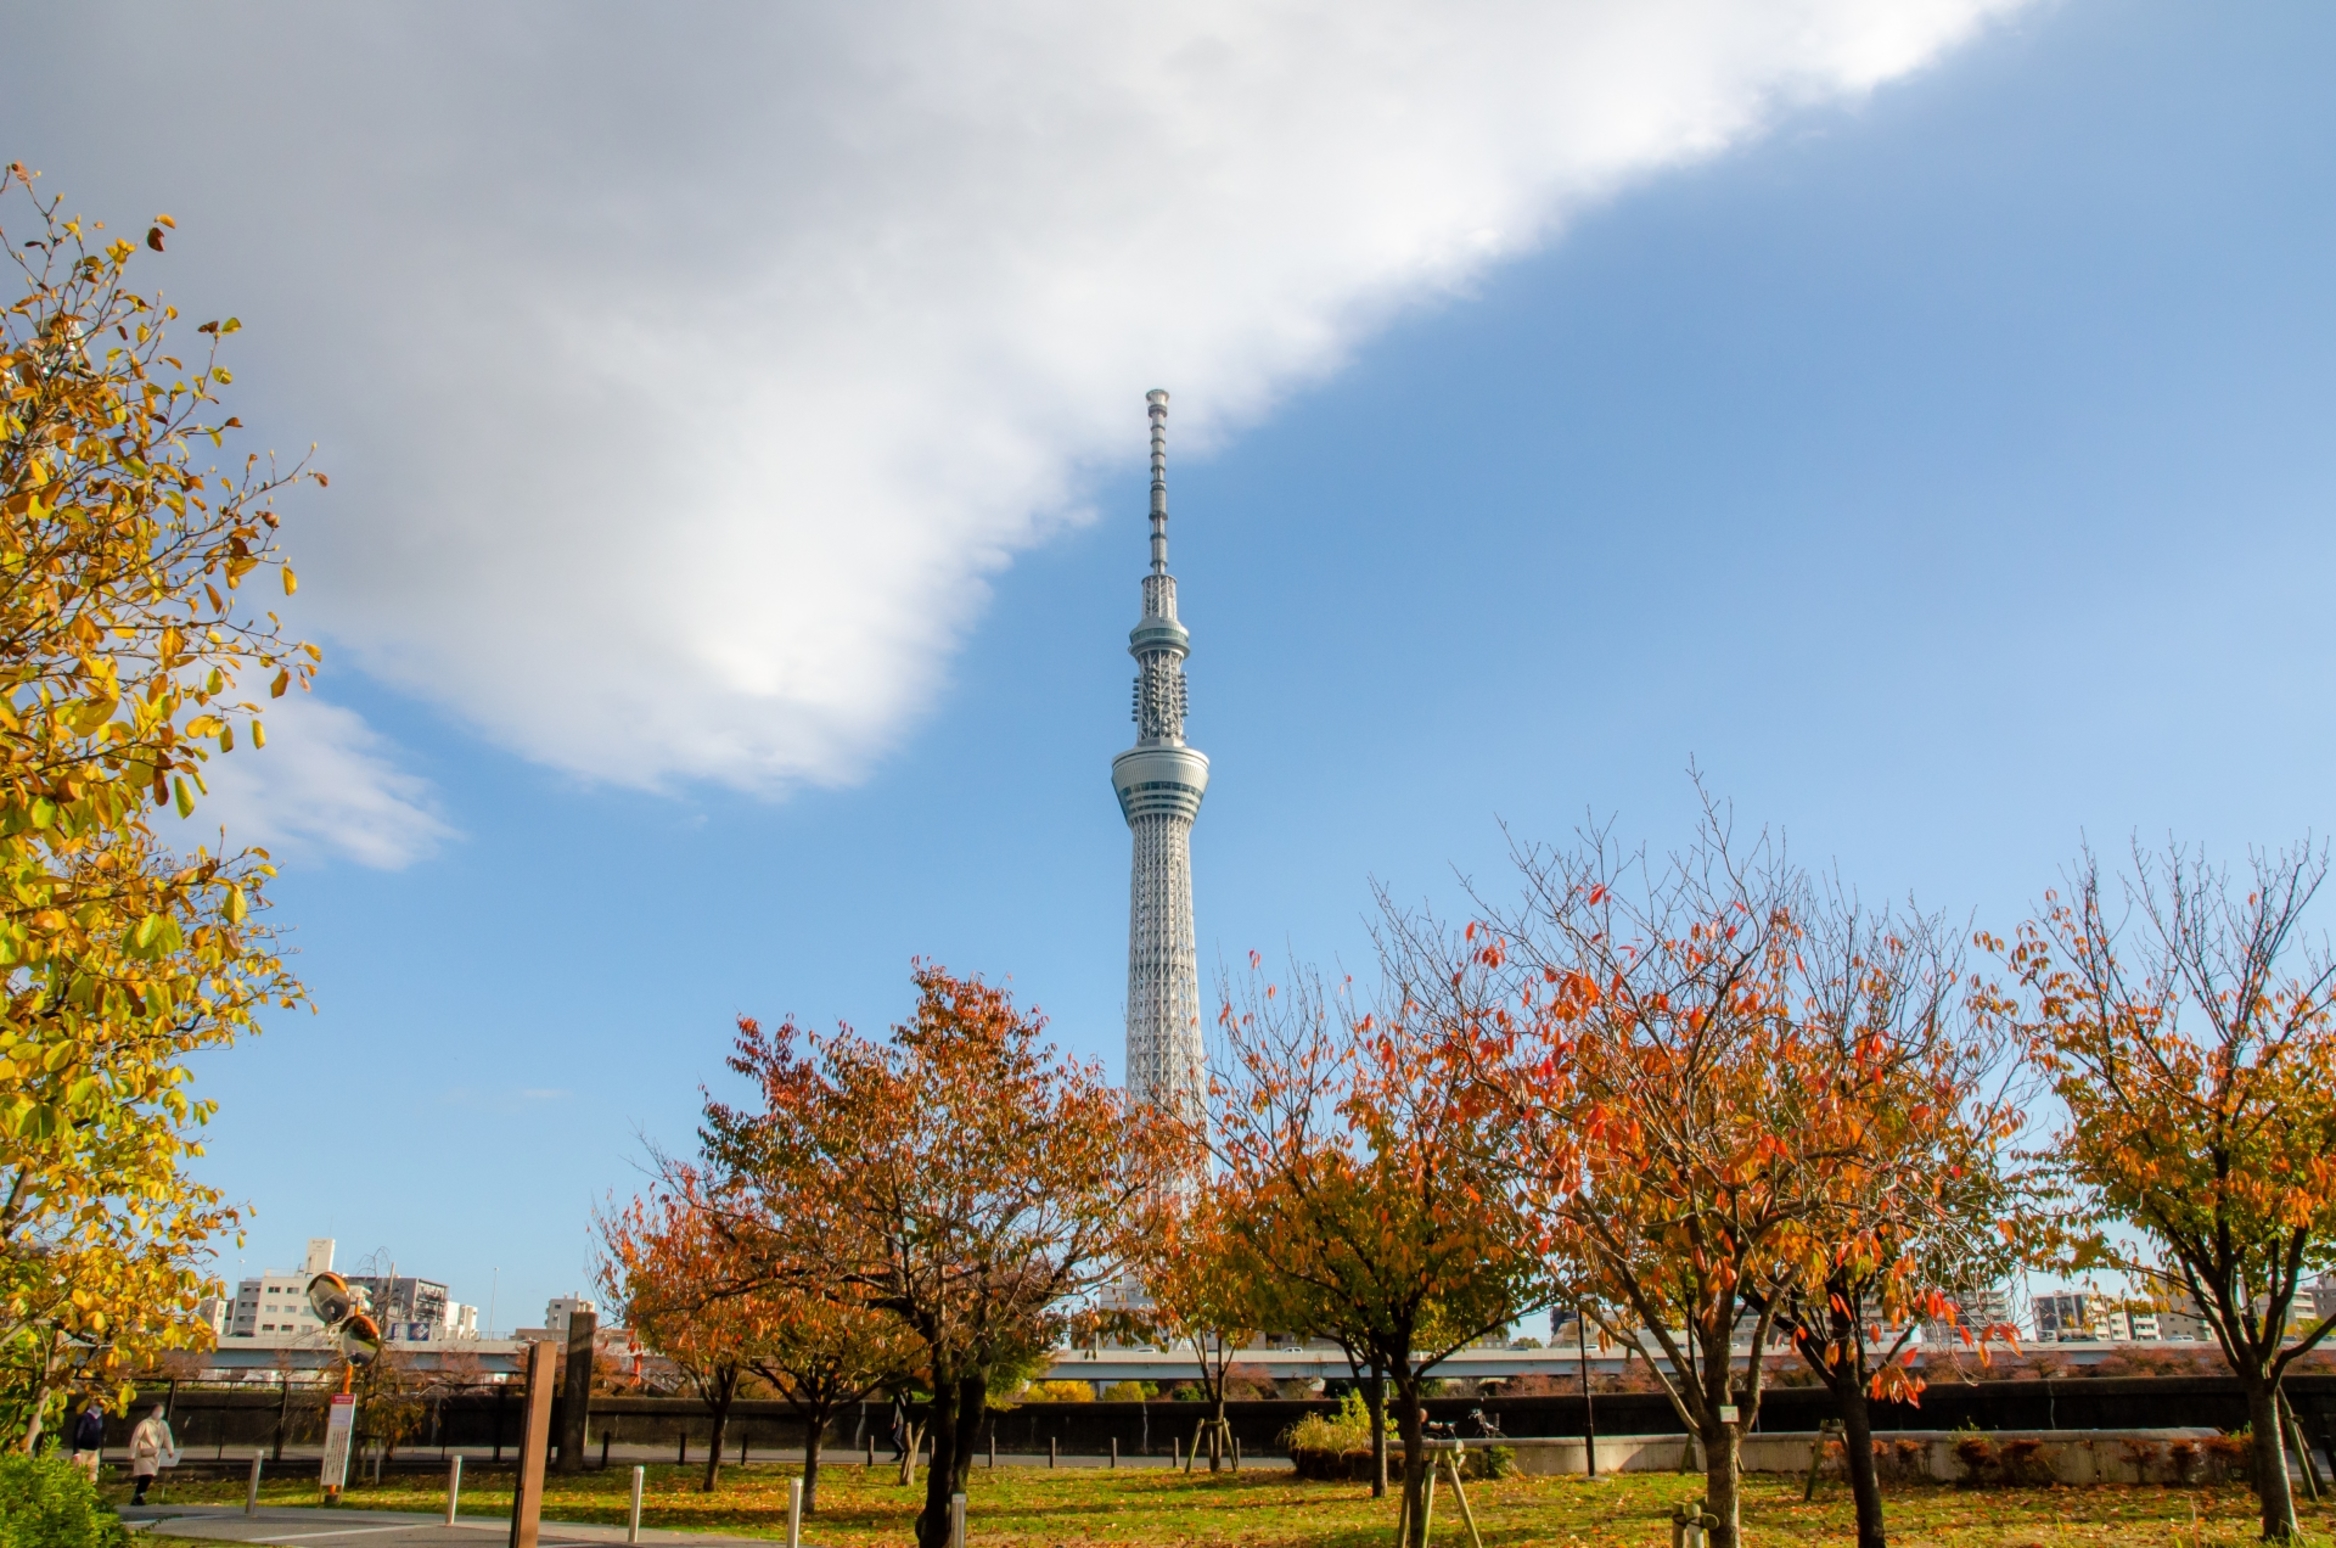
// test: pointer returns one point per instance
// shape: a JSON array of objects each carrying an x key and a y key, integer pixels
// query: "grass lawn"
[{"x": 1036, "y": 1508}]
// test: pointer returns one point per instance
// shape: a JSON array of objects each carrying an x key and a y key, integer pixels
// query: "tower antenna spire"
[
  {"x": 1160, "y": 781},
  {"x": 1158, "y": 399}
]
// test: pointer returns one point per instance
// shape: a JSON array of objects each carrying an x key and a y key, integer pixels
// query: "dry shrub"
[
  {"x": 1539, "y": 1384},
  {"x": 2024, "y": 1465},
  {"x": 2229, "y": 1459},
  {"x": 1977, "y": 1454},
  {"x": 2018, "y": 1464}
]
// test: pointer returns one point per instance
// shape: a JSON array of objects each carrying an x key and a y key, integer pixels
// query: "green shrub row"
[{"x": 47, "y": 1502}]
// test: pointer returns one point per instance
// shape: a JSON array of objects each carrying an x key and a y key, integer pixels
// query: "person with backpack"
[
  {"x": 89, "y": 1438},
  {"x": 151, "y": 1450}
]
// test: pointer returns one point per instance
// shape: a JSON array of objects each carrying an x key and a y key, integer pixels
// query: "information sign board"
[{"x": 340, "y": 1426}]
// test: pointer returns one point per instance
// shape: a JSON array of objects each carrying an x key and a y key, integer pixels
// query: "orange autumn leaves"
[
  {"x": 942, "y": 1200},
  {"x": 1715, "y": 1104},
  {"x": 2188, "y": 1031}
]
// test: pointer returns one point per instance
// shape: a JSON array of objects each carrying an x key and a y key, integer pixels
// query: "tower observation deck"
[{"x": 1160, "y": 782}]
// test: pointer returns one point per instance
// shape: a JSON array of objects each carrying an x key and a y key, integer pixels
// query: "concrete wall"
[{"x": 2073, "y": 1456}]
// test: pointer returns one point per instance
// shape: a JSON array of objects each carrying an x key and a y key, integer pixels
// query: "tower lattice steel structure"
[{"x": 1160, "y": 782}]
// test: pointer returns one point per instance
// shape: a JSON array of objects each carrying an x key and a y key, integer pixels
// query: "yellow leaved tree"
[{"x": 124, "y": 632}]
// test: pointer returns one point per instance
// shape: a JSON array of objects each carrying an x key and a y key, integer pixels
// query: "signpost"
[
  {"x": 534, "y": 1440},
  {"x": 343, "y": 1314},
  {"x": 576, "y": 1411},
  {"x": 340, "y": 1426}
]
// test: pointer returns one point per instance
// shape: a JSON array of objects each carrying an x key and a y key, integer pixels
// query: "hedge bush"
[{"x": 47, "y": 1502}]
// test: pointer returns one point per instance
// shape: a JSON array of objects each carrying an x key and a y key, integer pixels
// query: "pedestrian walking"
[
  {"x": 151, "y": 1450},
  {"x": 899, "y": 1427},
  {"x": 89, "y": 1438}
]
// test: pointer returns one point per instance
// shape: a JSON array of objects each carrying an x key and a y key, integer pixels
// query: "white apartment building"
[
  {"x": 277, "y": 1304},
  {"x": 559, "y": 1309},
  {"x": 2076, "y": 1316},
  {"x": 1979, "y": 1311}
]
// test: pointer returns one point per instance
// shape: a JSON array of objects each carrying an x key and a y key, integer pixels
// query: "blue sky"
[{"x": 1943, "y": 468}]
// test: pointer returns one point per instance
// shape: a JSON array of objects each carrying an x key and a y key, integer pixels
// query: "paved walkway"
[
  {"x": 420, "y": 1462},
  {"x": 296, "y": 1527}
]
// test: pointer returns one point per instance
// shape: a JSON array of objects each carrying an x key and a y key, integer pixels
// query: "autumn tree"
[
  {"x": 694, "y": 1270},
  {"x": 2190, "y": 1038},
  {"x": 823, "y": 1355},
  {"x": 1680, "y": 1129},
  {"x": 958, "y": 1176},
  {"x": 1203, "y": 1289},
  {"x": 125, "y": 636},
  {"x": 1922, "y": 1203},
  {"x": 1372, "y": 1195},
  {"x": 664, "y": 1262}
]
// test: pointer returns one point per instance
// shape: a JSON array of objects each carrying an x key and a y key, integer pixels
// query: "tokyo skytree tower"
[{"x": 1160, "y": 781}]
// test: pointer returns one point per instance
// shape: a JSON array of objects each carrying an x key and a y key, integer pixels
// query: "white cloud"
[
  {"x": 326, "y": 784},
  {"x": 684, "y": 370}
]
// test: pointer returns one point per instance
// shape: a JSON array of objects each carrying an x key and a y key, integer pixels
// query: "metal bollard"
[
  {"x": 794, "y": 1513},
  {"x": 251, "y": 1493},
  {"x": 871, "y": 1451},
  {"x": 1051, "y": 1447},
  {"x": 1115, "y": 1451},
  {"x": 956, "y": 1521},
  {"x": 1175, "y": 1453},
  {"x": 1236, "y": 1453},
  {"x": 633, "y": 1511},
  {"x": 993, "y": 1446},
  {"x": 453, "y": 1486}
]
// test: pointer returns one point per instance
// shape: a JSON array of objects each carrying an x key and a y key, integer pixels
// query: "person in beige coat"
[{"x": 151, "y": 1450}]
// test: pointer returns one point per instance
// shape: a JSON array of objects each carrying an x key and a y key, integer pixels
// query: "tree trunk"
[
  {"x": 1415, "y": 1460},
  {"x": 2271, "y": 1480},
  {"x": 973, "y": 1405},
  {"x": 912, "y": 1447},
  {"x": 721, "y": 1408},
  {"x": 814, "y": 1432},
  {"x": 32, "y": 1426},
  {"x": 1857, "y": 1438},
  {"x": 45, "y": 1351},
  {"x": 932, "y": 1526},
  {"x": 1375, "y": 1399},
  {"x": 1217, "y": 1429},
  {"x": 1720, "y": 1479}
]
